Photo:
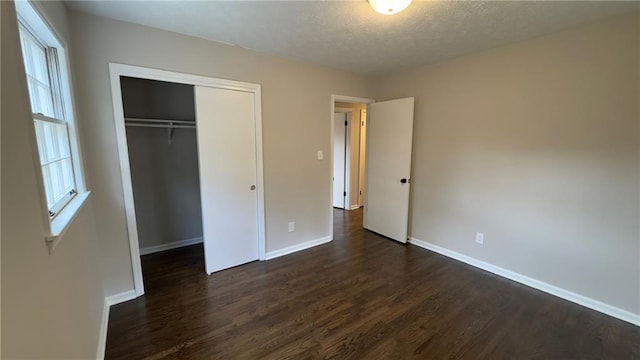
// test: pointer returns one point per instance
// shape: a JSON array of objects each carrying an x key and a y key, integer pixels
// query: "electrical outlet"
[
  {"x": 480, "y": 238},
  {"x": 320, "y": 155},
  {"x": 292, "y": 226}
]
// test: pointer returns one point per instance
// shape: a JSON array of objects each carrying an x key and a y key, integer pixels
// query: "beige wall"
[
  {"x": 354, "y": 153},
  {"x": 51, "y": 304},
  {"x": 535, "y": 145},
  {"x": 297, "y": 185}
]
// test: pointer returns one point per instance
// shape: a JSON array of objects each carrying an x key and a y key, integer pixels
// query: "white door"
[
  {"x": 388, "y": 167},
  {"x": 339, "y": 159},
  {"x": 227, "y": 157}
]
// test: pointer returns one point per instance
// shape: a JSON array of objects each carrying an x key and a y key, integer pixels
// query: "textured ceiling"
[{"x": 349, "y": 35}]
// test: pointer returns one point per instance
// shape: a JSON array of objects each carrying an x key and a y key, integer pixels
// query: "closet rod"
[
  {"x": 159, "y": 121},
  {"x": 168, "y": 126}
]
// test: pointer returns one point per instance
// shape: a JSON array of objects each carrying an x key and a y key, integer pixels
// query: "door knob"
[
  {"x": 253, "y": 187},
  {"x": 403, "y": 180}
]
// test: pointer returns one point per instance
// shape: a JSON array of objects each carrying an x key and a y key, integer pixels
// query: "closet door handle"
[{"x": 253, "y": 187}]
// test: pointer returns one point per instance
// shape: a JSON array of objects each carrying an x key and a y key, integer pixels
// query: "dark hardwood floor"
[{"x": 359, "y": 297}]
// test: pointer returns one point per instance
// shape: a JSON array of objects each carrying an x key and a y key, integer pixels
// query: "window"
[
  {"x": 58, "y": 154},
  {"x": 52, "y": 130}
]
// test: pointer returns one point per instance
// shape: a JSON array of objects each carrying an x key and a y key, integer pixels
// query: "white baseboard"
[
  {"x": 354, "y": 207},
  {"x": 169, "y": 246},
  {"x": 102, "y": 335},
  {"x": 291, "y": 249},
  {"x": 104, "y": 323},
  {"x": 121, "y": 297},
  {"x": 536, "y": 284}
]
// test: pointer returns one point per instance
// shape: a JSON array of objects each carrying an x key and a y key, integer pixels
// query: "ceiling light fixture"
[{"x": 389, "y": 7}]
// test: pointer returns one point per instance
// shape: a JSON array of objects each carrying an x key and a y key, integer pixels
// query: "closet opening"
[{"x": 161, "y": 134}]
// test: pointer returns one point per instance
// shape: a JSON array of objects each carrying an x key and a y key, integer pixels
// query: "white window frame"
[{"x": 37, "y": 24}]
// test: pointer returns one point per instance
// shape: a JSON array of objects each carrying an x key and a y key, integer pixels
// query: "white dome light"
[{"x": 389, "y": 7}]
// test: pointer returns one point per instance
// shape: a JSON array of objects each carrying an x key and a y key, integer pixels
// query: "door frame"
[
  {"x": 362, "y": 164},
  {"x": 115, "y": 72},
  {"x": 345, "y": 99},
  {"x": 347, "y": 152}
]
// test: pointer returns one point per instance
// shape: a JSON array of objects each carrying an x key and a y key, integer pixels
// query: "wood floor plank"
[{"x": 359, "y": 297}]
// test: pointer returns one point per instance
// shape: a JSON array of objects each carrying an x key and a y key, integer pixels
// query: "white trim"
[
  {"x": 170, "y": 245},
  {"x": 109, "y": 301},
  {"x": 125, "y": 173},
  {"x": 536, "y": 284},
  {"x": 346, "y": 99},
  {"x": 347, "y": 161},
  {"x": 104, "y": 322},
  {"x": 298, "y": 247},
  {"x": 362, "y": 152},
  {"x": 102, "y": 334},
  {"x": 343, "y": 110},
  {"x": 60, "y": 224},
  {"x": 262, "y": 237},
  {"x": 41, "y": 117},
  {"x": 118, "y": 70},
  {"x": 120, "y": 297}
]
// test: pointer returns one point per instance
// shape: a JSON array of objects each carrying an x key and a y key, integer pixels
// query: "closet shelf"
[
  {"x": 170, "y": 125},
  {"x": 181, "y": 124}
]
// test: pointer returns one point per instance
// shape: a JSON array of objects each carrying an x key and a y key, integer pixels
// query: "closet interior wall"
[{"x": 165, "y": 176}]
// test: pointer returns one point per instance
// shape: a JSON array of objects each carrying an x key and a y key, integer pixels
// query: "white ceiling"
[{"x": 349, "y": 35}]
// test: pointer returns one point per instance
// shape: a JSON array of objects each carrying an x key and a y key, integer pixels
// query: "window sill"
[{"x": 61, "y": 223}]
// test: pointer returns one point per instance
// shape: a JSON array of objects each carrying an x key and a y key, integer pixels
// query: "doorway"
[
  {"x": 214, "y": 102},
  {"x": 377, "y": 162},
  {"x": 348, "y": 148}
]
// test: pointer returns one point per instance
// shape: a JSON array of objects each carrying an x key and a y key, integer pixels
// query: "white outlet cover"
[
  {"x": 480, "y": 238},
  {"x": 320, "y": 155},
  {"x": 292, "y": 226}
]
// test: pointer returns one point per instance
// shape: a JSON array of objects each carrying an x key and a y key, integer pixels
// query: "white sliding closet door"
[{"x": 228, "y": 175}]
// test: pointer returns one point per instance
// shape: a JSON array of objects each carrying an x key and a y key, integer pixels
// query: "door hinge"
[
  {"x": 345, "y": 123},
  {"x": 362, "y": 123},
  {"x": 344, "y": 193},
  {"x": 360, "y": 192}
]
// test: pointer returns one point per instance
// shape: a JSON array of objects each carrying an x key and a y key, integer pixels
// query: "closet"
[
  {"x": 163, "y": 158},
  {"x": 194, "y": 166}
]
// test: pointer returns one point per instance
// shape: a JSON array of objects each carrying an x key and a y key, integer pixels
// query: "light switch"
[{"x": 320, "y": 155}]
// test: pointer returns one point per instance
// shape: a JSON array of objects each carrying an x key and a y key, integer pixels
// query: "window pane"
[
  {"x": 40, "y": 138},
  {"x": 46, "y": 177},
  {"x": 63, "y": 141},
  {"x": 50, "y": 149},
  {"x": 67, "y": 175},
  {"x": 41, "y": 97},
  {"x": 45, "y": 100},
  {"x": 41, "y": 72},
  {"x": 56, "y": 184},
  {"x": 26, "y": 53}
]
